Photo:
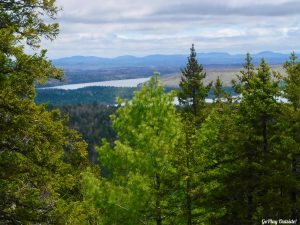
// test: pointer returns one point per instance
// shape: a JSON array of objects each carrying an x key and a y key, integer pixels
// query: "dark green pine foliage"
[
  {"x": 219, "y": 92},
  {"x": 292, "y": 128},
  {"x": 93, "y": 122},
  {"x": 215, "y": 142},
  {"x": 244, "y": 153},
  {"x": 292, "y": 88},
  {"x": 254, "y": 193},
  {"x": 193, "y": 91},
  {"x": 191, "y": 97},
  {"x": 246, "y": 75},
  {"x": 40, "y": 158}
]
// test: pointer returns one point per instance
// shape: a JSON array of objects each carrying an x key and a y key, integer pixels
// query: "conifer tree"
[
  {"x": 40, "y": 158},
  {"x": 218, "y": 91},
  {"x": 292, "y": 127},
  {"x": 191, "y": 97},
  {"x": 247, "y": 198},
  {"x": 192, "y": 91},
  {"x": 246, "y": 75}
]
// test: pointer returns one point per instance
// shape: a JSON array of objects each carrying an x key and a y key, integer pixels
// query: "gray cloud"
[
  {"x": 223, "y": 8},
  {"x": 130, "y": 11},
  {"x": 141, "y": 27}
]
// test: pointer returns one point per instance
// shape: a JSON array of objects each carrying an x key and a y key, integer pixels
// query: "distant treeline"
[
  {"x": 88, "y": 95},
  {"x": 76, "y": 76},
  {"x": 95, "y": 95}
]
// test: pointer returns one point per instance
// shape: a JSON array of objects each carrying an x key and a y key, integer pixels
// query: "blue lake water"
[
  {"x": 127, "y": 83},
  {"x": 111, "y": 83}
]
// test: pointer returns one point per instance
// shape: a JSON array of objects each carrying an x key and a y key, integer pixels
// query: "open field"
[{"x": 225, "y": 74}]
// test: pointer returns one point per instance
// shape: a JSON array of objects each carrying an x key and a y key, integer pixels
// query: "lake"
[{"x": 111, "y": 83}]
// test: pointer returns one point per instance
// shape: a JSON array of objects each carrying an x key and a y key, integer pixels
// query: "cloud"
[
  {"x": 118, "y": 27},
  {"x": 215, "y": 8}
]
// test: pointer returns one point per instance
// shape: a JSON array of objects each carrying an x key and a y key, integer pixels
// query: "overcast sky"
[{"x": 111, "y": 28}]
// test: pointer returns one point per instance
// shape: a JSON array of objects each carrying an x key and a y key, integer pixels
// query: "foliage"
[
  {"x": 139, "y": 162},
  {"x": 249, "y": 181},
  {"x": 40, "y": 158},
  {"x": 292, "y": 127},
  {"x": 93, "y": 122},
  {"x": 25, "y": 19},
  {"x": 191, "y": 96},
  {"x": 192, "y": 91},
  {"x": 234, "y": 162},
  {"x": 88, "y": 95}
]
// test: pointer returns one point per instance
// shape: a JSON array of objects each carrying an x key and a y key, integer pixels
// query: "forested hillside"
[
  {"x": 235, "y": 161},
  {"x": 92, "y": 121},
  {"x": 87, "y": 95},
  {"x": 41, "y": 159}
]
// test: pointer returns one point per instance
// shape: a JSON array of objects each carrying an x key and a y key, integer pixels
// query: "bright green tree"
[{"x": 139, "y": 164}]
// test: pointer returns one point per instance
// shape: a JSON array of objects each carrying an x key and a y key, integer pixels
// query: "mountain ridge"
[{"x": 162, "y": 60}]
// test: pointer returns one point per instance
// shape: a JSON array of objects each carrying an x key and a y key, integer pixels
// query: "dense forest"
[
  {"x": 87, "y": 95},
  {"x": 234, "y": 161},
  {"x": 92, "y": 121},
  {"x": 97, "y": 95}
]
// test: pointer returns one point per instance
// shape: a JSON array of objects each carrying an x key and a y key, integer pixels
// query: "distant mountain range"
[
  {"x": 213, "y": 59},
  {"x": 84, "y": 69}
]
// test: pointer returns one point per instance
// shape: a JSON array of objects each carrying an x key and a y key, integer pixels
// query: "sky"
[{"x": 110, "y": 28}]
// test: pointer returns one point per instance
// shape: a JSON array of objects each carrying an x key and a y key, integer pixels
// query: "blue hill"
[{"x": 157, "y": 61}]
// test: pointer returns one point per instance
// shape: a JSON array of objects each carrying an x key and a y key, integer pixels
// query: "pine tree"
[
  {"x": 191, "y": 97},
  {"x": 192, "y": 91},
  {"x": 215, "y": 141},
  {"x": 256, "y": 170},
  {"x": 218, "y": 90},
  {"x": 40, "y": 158},
  {"x": 247, "y": 74},
  {"x": 292, "y": 127}
]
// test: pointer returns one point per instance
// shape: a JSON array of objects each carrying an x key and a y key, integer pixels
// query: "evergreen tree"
[
  {"x": 215, "y": 141},
  {"x": 192, "y": 91},
  {"x": 247, "y": 74},
  {"x": 218, "y": 91},
  {"x": 191, "y": 97},
  {"x": 257, "y": 167},
  {"x": 40, "y": 158},
  {"x": 292, "y": 128}
]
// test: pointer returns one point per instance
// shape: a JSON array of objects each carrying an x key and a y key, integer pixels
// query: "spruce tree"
[
  {"x": 218, "y": 91},
  {"x": 256, "y": 168},
  {"x": 192, "y": 91},
  {"x": 191, "y": 96},
  {"x": 292, "y": 127},
  {"x": 40, "y": 158}
]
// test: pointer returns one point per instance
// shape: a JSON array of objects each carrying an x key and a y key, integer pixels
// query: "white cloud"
[{"x": 141, "y": 27}]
